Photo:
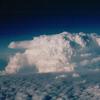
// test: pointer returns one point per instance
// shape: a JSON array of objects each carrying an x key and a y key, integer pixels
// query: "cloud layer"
[{"x": 62, "y": 52}]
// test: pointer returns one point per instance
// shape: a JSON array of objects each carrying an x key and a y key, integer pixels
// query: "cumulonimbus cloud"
[{"x": 55, "y": 53}]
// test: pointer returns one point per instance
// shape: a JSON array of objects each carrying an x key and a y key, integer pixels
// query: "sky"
[{"x": 22, "y": 19}]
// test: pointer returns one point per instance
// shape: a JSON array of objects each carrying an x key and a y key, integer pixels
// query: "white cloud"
[
  {"x": 75, "y": 75},
  {"x": 22, "y": 44},
  {"x": 96, "y": 59},
  {"x": 55, "y": 53}
]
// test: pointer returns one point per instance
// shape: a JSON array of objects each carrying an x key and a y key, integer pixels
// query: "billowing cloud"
[{"x": 55, "y": 53}]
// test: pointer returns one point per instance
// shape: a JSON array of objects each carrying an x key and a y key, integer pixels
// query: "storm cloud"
[{"x": 62, "y": 52}]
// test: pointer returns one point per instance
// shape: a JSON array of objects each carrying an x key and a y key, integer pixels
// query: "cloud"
[
  {"x": 19, "y": 63},
  {"x": 23, "y": 44},
  {"x": 2, "y": 73},
  {"x": 54, "y": 53}
]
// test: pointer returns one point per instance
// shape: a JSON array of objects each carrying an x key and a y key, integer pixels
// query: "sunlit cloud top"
[{"x": 62, "y": 52}]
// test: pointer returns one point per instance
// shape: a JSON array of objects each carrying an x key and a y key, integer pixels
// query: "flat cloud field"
[{"x": 50, "y": 86}]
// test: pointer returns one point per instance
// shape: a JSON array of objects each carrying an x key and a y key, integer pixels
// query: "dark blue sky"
[{"x": 23, "y": 19}]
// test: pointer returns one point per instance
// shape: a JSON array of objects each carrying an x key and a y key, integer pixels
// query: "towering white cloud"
[{"x": 54, "y": 53}]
